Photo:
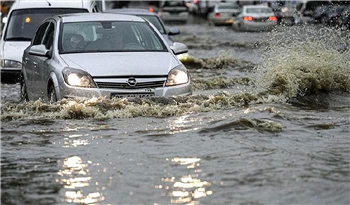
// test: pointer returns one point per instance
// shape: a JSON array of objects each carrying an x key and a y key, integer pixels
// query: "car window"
[
  {"x": 155, "y": 21},
  {"x": 40, "y": 34},
  {"x": 48, "y": 38},
  {"x": 24, "y": 23},
  {"x": 259, "y": 10},
  {"x": 109, "y": 36}
]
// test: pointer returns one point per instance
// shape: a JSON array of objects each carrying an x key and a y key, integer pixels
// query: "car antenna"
[{"x": 48, "y": 2}]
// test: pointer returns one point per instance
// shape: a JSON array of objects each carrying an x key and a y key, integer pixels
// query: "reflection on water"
[
  {"x": 187, "y": 188},
  {"x": 75, "y": 176},
  {"x": 74, "y": 141}
]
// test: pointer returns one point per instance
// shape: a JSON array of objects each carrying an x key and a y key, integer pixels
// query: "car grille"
[{"x": 139, "y": 85}]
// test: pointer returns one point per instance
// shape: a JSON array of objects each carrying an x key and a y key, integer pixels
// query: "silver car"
[
  {"x": 255, "y": 18},
  {"x": 101, "y": 55},
  {"x": 223, "y": 13}
]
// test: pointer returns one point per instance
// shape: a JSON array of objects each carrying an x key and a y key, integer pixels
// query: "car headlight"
[
  {"x": 78, "y": 78},
  {"x": 4, "y": 63},
  {"x": 177, "y": 76}
]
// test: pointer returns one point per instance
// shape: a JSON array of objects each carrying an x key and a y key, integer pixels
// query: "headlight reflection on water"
[
  {"x": 187, "y": 188},
  {"x": 75, "y": 176}
]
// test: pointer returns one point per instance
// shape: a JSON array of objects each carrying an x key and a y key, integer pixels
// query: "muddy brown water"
[{"x": 242, "y": 138}]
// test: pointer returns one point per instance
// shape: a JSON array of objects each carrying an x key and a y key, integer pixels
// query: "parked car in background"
[
  {"x": 223, "y": 13},
  {"x": 24, "y": 19},
  {"x": 101, "y": 55},
  {"x": 151, "y": 17},
  {"x": 255, "y": 18},
  {"x": 305, "y": 10},
  {"x": 173, "y": 11}
]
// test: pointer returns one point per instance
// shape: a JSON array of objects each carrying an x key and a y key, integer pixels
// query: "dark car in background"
[
  {"x": 334, "y": 15},
  {"x": 305, "y": 11},
  {"x": 345, "y": 17},
  {"x": 321, "y": 13}
]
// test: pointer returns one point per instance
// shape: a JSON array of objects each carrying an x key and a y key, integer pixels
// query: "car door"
[
  {"x": 41, "y": 70},
  {"x": 28, "y": 60}
]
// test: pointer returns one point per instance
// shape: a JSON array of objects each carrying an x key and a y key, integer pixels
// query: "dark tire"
[
  {"x": 52, "y": 97},
  {"x": 24, "y": 94}
]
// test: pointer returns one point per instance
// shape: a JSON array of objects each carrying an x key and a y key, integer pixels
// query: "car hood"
[
  {"x": 13, "y": 50},
  {"x": 123, "y": 64}
]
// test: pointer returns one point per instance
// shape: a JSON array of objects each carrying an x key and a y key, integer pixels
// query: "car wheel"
[
  {"x": 52, "y": 94},
  {"x": 24, "y": 94}
]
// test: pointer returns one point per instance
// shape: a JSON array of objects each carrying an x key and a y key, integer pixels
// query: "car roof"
[
  {"x": 81, "y": 17},
  {"x": 27, "y": 4},
  {"x": 131, "y": 11}
]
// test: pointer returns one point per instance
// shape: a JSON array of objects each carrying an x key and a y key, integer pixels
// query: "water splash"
[
  {"x": 301, "y": 65},
  {"x": 219, "y": 82},
  {"x": 223, "y": 61},
  {"x": 102, "y": 108}
]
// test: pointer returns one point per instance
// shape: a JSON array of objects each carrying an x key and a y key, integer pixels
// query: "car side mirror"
[
  {"x": 39, "y": 50},
  {"x": 179, "y": 48},
  {"x": 173, "y": 31}
]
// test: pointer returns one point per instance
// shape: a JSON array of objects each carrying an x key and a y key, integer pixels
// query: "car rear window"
[
  {"x": 259, "y": 10},
  {"x": 228, "y": 6},
  {"x": 23, "y": 23}
]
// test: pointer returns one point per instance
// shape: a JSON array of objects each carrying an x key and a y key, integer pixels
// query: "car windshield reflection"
[{"x": 108, "y": 36}]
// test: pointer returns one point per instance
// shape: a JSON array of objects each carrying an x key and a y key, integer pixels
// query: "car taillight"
[
  {"x": 150, "y": 9},
  {"x": 217, "y": 15},
  {"x": 273, "y": 18},
  {"x": 195, "y": 1},
  {"x": 248, "y": 18}
]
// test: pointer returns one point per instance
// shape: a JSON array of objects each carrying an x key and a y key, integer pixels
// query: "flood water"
[{"x": 268, "y": 123}]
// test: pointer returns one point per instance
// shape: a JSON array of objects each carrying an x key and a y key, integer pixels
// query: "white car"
[
  {"x": 223, "y": 13},
  {"x": 255, "y": 18},
  {"x": 23, "y": 20},
  {"x": 101, "y": 55}
]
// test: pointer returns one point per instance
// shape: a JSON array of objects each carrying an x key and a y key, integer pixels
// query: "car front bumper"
[
  {"x": 10, "y": 74},
  {"x": 66, "y": 91}
]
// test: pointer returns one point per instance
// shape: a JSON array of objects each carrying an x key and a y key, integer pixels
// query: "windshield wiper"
[{"x": 18, "y": 39}]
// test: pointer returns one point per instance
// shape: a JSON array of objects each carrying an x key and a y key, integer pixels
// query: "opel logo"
[{"x": 132, "y": 82}]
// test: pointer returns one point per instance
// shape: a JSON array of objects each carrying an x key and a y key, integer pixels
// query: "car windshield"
[
  {"x": 109, "y": 36},
  {"x": 155, "y": 21},
  {"x": 259, "y": 10},
  {"x": 24, "y": 23}
]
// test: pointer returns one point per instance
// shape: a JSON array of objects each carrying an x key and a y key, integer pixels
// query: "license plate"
[{"x": 131, "y": 95}]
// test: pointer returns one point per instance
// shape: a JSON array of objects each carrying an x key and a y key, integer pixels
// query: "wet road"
[{"x": 268, "y": 124}]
